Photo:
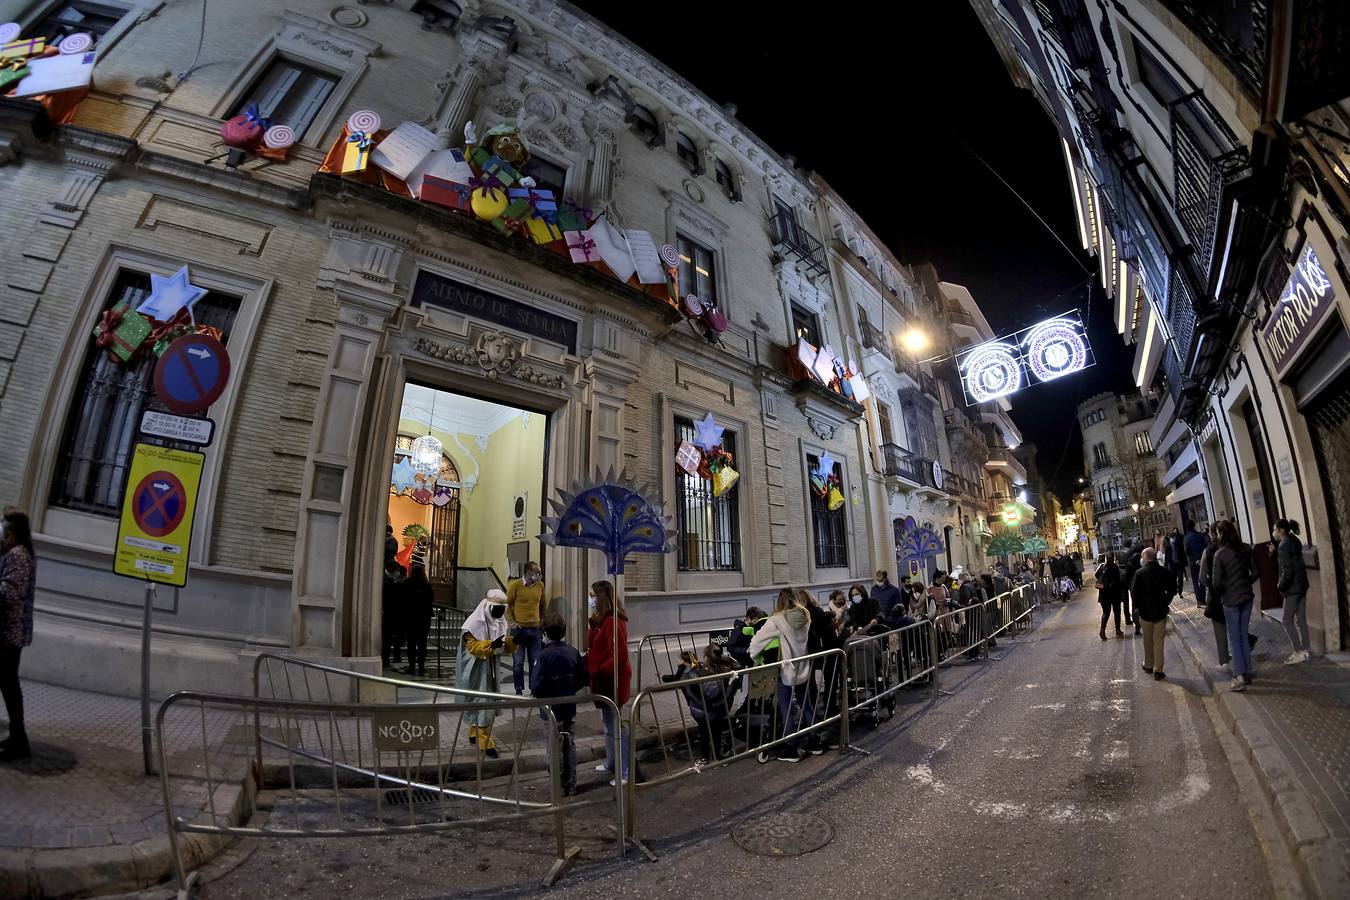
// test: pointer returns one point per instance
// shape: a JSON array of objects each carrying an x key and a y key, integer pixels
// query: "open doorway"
[{"x": 465, "y": 493}]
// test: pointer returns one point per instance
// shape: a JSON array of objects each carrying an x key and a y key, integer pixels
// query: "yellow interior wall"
[
  {"x": 404, "y": 511},
  {"x": 513, "y": 463}
]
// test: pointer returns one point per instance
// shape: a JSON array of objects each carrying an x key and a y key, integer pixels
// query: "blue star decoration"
[
  {"x": 709, "y": 433},
  {"x": 169, "y": 295},
  {"x": 826, "y": 465},
  {"x": 401, "y": 477}
]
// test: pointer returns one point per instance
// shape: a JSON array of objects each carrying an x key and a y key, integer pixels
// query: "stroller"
[
  {"x": 871, "y": 670},
  {"x": 1065, "y": 588}
]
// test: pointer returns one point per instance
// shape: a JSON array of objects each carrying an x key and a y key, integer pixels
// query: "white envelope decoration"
[
  {"x": 51, "y": 74},
  {"x": 860, "y": 390},
  {"x": 806, "y": 354},
  {"x": 650, "y": 269},
  {"x": 403, "y": 150},
  {"x": 824, "y": 366},
  {"x": 446, "y": 164},
  {"x": 609, "y": 243}
]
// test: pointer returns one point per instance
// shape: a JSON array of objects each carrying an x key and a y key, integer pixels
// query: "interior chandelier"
[{"x": 428, "y": 450}]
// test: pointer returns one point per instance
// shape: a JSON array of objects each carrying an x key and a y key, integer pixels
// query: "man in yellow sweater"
[{"x": 525, "y": 607}]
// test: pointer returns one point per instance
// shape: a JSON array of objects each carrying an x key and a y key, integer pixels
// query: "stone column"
[{"x": 327, "y": 497}]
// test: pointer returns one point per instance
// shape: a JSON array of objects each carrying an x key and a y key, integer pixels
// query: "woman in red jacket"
[{"x": 600, "y": 662}]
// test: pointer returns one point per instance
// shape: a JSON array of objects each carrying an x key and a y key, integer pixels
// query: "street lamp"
[{"x": 915, "y": 341}]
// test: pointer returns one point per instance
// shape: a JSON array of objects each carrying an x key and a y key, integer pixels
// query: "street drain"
[{"x": 783, "y": 834}]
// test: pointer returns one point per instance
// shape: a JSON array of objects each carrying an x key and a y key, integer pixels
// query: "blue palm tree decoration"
[
  {"x": 612, "y": 515},
  {"x": 920, "y": 543}
]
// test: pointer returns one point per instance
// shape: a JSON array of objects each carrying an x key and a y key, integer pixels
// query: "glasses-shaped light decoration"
[
  {"x": 992, "y": 370},
  {"x": 1054, "y": 348}
]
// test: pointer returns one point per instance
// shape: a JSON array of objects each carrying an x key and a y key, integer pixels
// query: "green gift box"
[{"x": 122, "y": 331}]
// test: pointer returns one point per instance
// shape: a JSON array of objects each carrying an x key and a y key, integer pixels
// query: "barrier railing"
[
  {"x": 386, "y": 768},
  {"x": 752, "y": 708},
  {"x": 659, "y": 655}
]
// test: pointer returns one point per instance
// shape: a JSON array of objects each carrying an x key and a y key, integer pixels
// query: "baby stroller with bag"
[{"x": 1065, "y": 588}]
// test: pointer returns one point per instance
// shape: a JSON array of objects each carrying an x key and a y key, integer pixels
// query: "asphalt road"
[{"x": 1060, "y": 770}]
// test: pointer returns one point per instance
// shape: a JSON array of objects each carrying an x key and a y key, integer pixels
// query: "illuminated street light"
[{"x": 915, "y": 341}]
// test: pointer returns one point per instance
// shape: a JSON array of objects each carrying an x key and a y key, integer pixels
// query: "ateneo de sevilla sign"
[{"x": 1304, "y": 304}]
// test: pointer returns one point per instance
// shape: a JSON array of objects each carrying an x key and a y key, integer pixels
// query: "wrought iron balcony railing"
[
  {"x": 792, "y": 239},
  {"x": 1237, "y": 31},
  {"x": 897, "y": 461},
  {"x": 1206, "y": 156},
  {"x": 874, "y": 338}
]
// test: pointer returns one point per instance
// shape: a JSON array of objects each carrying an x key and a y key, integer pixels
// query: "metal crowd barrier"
[
  {"x": 385, "y": 768},
  {"x": 658, "y": 655}
]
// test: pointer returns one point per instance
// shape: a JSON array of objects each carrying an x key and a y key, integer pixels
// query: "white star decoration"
[
  {"x": 709, "y": 433},
  {"x": 401, "y": 476},
  {"x": 826, "y": 465},
  {"x": 169, "y": 295}
]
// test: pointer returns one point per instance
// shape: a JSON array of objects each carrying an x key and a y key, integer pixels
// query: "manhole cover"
[{"x": 783, "y": 834}]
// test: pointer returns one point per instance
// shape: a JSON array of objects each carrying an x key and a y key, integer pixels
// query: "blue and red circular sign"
[
  {"x": 159, "y": 504},
  {"x": 192, "y": 374}
]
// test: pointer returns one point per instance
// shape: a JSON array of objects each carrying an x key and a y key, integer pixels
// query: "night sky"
[{"x": 880, "y": 108}]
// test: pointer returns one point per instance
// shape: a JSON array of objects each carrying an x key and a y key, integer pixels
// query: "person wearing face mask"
[
  {"x": 524, "y": 607},
  {"x": 18, "y": 575},
  {"x": 611, "y": 671},
  {"x": 484, "y": 639},
  {"x": 863, "y": 611},
  {"x": 838, "y": 609},
  {"x": 886, "y": 594}
]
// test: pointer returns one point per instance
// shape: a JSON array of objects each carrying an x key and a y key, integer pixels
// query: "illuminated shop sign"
[{"x": 1306, "y": 300}]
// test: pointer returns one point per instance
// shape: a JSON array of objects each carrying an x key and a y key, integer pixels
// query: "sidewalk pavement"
[
  {"x": 1294, "y": 724},
  {"x": 81, "y": 817}
]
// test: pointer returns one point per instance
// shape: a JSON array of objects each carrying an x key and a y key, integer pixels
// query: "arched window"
[
  {"x": 726, "y": 179},
  {"x": 644, "y": 123},
  {"x": 688, "y": 152}
]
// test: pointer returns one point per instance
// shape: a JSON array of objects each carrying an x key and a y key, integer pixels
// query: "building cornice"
[{"x": 628, "y": 60}]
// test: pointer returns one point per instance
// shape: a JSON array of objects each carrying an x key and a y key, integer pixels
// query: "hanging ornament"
[
  {"x": 75, "y": 43},
  {"x": 402, "y": 477},
  {"x": 444, "y": 494},
  {"x": 709, "y": 433},
  {"x": 426, "y": 455},
  {"x": 826, "y": 467},
  {"x": 170, "y": 295},
  {"x": 427, "y": 451},
  {"x": 688, "y": 458}
]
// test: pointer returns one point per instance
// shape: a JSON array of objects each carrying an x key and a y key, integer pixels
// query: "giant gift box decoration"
[{"x": 122, "y": 331}]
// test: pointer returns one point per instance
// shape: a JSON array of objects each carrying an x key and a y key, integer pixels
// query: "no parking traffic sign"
[
  {"x": 155, "y": 531},
  {"x": 192, "y": 373}
]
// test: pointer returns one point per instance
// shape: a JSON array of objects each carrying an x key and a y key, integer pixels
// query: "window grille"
[
  {"x": 829, "y": 527},
  {"x": 709, "y": 527},
  {"x": 103, "y": 420}
]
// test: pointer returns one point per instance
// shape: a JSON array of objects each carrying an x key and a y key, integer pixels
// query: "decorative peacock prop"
[
  {"x": 920, "y": 543},
  {"x": 1035, "y": 544},
  {"x": 612, "y": 515},
  {"x": 1004, "y": 544}
]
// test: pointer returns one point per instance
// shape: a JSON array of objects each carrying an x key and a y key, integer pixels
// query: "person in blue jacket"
[
  {"x": 1194, "y": 543},
  {"x": 559, "y": 671}
]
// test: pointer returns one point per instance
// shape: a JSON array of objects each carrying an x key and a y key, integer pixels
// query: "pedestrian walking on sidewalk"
[
  {"x": 18, "y": 578},
  {"x": 1213, "y": 607},
  {"x": 1233, "y": 577},
  {"x": 1109, "y": 590},
  {"x": 1128, "y": 571},
  {"x": 1194, "y": 543},
  {"x": 1153, "y": 590},
  {"x": 1293, "y": 586}
]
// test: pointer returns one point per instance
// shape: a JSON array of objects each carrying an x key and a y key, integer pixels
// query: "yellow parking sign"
[{"x": 155, "y": 532}]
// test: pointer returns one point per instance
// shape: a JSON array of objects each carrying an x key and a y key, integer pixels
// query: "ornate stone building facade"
[{"x": 333, "y": 295}]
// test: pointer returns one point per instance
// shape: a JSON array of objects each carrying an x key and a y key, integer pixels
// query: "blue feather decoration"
[
  {"x": 611, "y": 515},
  {"x": 920, "y": 543}
]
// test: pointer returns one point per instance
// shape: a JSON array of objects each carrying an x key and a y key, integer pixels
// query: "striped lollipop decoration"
[
  {"x": 9, "y": 32},
  {"x": 693, "y": 306},
  {"x": 366, "y": 121},
  {"x": 279, "y": 137},
  {"x": 669, "y": 256},
  {"x": 75, "y": 43}
]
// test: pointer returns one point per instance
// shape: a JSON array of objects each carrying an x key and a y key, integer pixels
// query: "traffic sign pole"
[{"x": 147, "y": 730}]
